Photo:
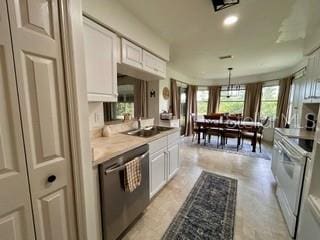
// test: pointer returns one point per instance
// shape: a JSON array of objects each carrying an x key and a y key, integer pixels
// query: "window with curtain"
[
  {"x": 233, "y": 104},
  {"x": 269, "y": 102},
  {"x": 202, "y": 101},
  {"x": 125, "y": 102}
]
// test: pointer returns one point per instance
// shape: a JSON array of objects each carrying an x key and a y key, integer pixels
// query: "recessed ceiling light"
[{"x": 230, "y": 20}]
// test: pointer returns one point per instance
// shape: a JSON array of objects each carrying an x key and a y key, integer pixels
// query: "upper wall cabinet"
[
  {"x": 312, "y": 89},
  {"x": 101, "y": 49},
  {"x": 139, "y": 59},
  {"x": 154, "y": 64},
  {"x": 131, "y": 54}
]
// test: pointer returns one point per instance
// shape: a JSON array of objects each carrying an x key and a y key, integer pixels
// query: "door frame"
[{"x": 70, "y": 12}]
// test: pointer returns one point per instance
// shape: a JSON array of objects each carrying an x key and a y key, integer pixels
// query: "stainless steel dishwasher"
[{"x": 121, "y": 208}]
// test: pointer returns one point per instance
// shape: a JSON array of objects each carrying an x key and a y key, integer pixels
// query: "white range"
[{"x": 291, "y": 154}]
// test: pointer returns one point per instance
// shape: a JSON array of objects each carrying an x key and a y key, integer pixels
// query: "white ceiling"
[{"x": 267, "y": 37}]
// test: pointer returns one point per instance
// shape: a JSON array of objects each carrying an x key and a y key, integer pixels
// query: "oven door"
[{"x": 290, "y": 174}]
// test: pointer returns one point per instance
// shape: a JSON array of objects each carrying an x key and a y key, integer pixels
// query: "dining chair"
[
  {"x": 232, "y": 129},
  {"x": 195, "y": 129},
  {"x": 212, "y": 130},
  {"x": 245, "y": 134}
]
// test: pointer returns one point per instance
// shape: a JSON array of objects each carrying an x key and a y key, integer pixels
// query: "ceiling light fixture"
[
  {"x": 230, "y": 20},
  {"x": 222, "y": 4},
  {"x": 232, "y": 89}
]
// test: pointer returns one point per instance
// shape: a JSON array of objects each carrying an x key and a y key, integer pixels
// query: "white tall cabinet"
[{"x": 36, "y": 184}]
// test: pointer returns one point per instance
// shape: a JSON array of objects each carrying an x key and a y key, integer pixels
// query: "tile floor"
[{"x": 258, "y": 216}]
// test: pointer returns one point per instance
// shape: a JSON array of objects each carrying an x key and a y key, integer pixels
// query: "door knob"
[{"x": 52, "y": 178}]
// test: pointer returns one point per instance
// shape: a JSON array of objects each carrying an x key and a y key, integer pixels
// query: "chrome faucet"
[{"x": 139, "y": 123}]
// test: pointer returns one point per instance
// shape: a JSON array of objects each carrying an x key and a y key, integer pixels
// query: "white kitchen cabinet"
[
  {"x": 173, "y": 160},
  {"x": 139, "y": 59},
  {"x": 309, "y": 227},
  {"x": 164, "y": 161},
  {"x": 101, "y": 48},
  {"x": 312, "y": 89},
  {"x": 131, "y": 54},
  {"x": 154, "y": 64},
  {"x": 158, "y": 171},
  {"x": 298, "y": 96}
]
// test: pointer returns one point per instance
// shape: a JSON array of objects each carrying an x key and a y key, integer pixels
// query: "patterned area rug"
[
  {"x": 208, "y": 212},
  {"x": 231, "y": 147}
]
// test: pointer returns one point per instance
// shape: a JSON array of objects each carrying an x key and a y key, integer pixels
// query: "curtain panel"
[
  {"x": 214, "y": 99},
  {"x": 175, "y": 99},
  {"x": 252, "y": 101},
  {"x": 191, "y": 108},
  {"x": 140, "y": 99},
  {"x": 283, "y": 102}
]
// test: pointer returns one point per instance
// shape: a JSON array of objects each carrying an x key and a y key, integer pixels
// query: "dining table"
[{"x": 250, "y": 126}]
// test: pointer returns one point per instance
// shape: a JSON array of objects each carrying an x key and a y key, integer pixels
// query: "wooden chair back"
[
  {"x": 235, "y": 117},
  {"x": 214, "y": 116}
]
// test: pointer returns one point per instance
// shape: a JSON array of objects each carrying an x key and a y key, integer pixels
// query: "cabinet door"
[
  {"x": 101, "y": 62},
  {"x": 173, "y": 160},
  {"x": 15, "y": 205},
  {"x": 309, "y": 225},
  {"x": 153, "y": 64},
  {"x": 37, "y": 51},
  {"x": 158, "y": 173},
  {"x": 317, "y": 75},
  {"x": 131, "y": 54}
]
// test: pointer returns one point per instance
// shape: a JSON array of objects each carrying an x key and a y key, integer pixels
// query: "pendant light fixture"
[
  {"x": 232, "y": 89},
  {"x": 229, "y": 83}
]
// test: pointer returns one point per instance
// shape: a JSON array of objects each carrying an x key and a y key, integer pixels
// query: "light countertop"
[
  {"x": 296, "y": 133},
  {"x": 106, "y": 148}
]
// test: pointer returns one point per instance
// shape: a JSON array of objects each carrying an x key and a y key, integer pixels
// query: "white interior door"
[
  {"x": 15, "y": 205},
  {"x": 41, "y": 86}
]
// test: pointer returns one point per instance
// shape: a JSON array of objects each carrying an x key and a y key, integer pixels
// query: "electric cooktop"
[{"x": 305, "y": 144}]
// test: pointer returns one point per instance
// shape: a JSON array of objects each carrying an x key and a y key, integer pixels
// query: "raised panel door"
[
  {"x": 131, "y": 54},
  {"x": 153, "y": 64},
  {"x": 309, "y": 81},
  {"x": 41, "y": 87},
  {"x": 317, "y": 74},
  {"x": 173, "y": 160},
  {"x": 158, "y": 171},
  {"x": 16, "y": 221},
  {"x": 149, "y": 62},
  {"x": 101, "y": 62}
]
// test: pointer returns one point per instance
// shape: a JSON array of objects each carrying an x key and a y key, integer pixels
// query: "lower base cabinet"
[
  {"x": 164, "y": 161},
  {"x": 173, "y": 160},
  {"x": 158, "y": 171},
  {"x": 309, "y": 227}
]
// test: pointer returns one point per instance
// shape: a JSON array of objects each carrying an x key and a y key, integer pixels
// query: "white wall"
[
  {"x": 171, "y": 74},
  {"x": 116, "y": 17},
  {"x": 96, "y": 118},
  {"x": 312, "y": 42}
]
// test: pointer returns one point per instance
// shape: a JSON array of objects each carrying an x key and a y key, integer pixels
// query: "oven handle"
[
  {"x": 123, "y": 166},
  {"x": 290, "y": 154}
]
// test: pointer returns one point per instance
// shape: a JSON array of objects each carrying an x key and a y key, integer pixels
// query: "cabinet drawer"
[
  {"x": 157, "y": 145},
  {"x": 173, "y": 138}
]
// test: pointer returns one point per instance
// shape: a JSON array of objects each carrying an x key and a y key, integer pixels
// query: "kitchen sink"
[{"x": 148, "y": 131}]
